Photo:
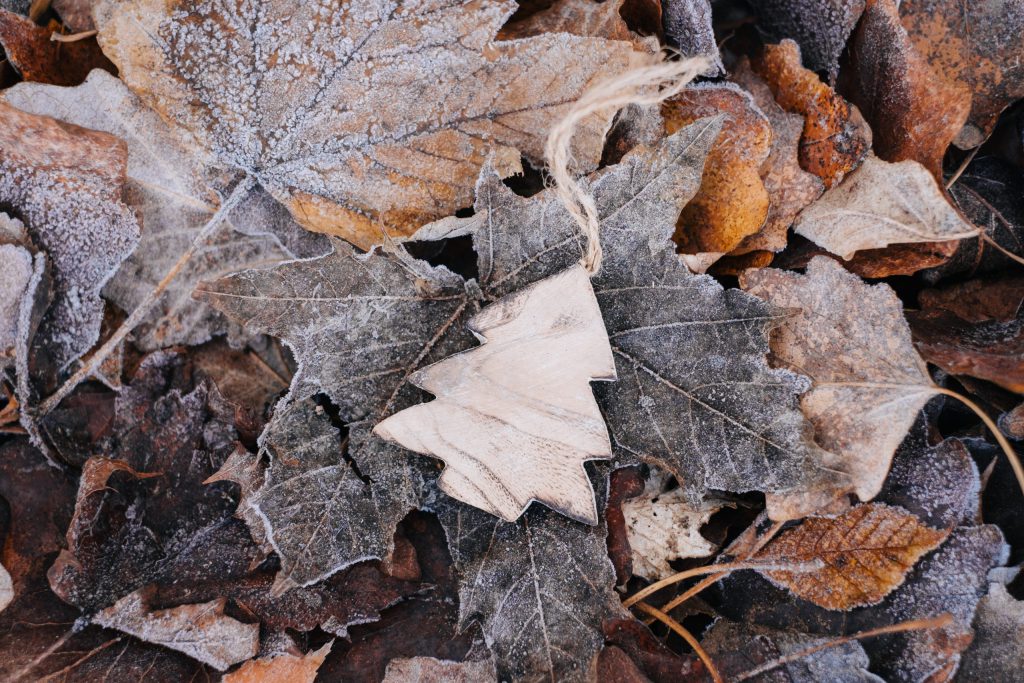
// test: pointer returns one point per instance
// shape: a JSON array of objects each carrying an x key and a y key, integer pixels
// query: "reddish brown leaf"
[
  {"x": 914, "y": 111},
  {"x": 836, "y": 138},
  {"x": 976, "y": 301},
  {"x": 39, "y": 59}
]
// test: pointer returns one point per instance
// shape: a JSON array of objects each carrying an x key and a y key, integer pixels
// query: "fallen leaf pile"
[{"x": 264, "y": 268}]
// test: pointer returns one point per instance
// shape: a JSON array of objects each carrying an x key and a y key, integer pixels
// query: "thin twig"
[
  {"x": 719, "y": 568},
  {"x": 715, "y": 578},
  {"x": 685, "y": 635},
  {"x": 913, "y": 625},
  {"x": 1006, "y": 252},
  {"x": 72, "y": 37},
  {"x": 963, "y": 167},
  {"x": 144, "y": 307}
]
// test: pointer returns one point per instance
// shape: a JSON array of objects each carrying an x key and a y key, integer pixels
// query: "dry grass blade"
[
  {"x": 680, "y": 630},
  {"x": 913, "y": 625}
]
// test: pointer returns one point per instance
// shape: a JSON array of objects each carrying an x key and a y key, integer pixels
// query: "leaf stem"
[
  {"x": 912, "y": 625},
  {"x": 685, "y": 635},
  {"x": 146, "y": 305}
]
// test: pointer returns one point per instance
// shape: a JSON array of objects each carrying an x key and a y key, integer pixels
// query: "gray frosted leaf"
[
  {"x": 318, "y": 514},
  {"x": 540, "y": 587},
  {"x": 66, "y": 183},
  {"x": 174, "y": 185},
  {"x": 938, "y": 484},
  {"x": 821, "y": 27},
  {"x": 358, "y": 324},
  {"x": 363, "y": 116},
  {"x": 740, "y": 648},
  {"x": 997, "y": 651},
  {"x": 687, "y": 25}
]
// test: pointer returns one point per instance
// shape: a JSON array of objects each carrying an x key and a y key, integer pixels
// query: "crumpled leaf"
[
  {"x": 820, "y": 27},
  {"x": 738, "y": 648},
  {"x": 650, "y": 303},
  {"x": 201, "y": 631},
  {"x": 156, "y": 528},
  {"x": 65, "y": 183},
  {"x": 283, "y": 667},
  {"x": 732, "y": 202},
  {"x": 867, "y": 553},
  {"x": 914, "y": 110},
  {"x": 990, "y": 350},
  {"x": 173, "y": 184},
  {"x": 997, "y": 651},
  {"x": 578, "y": 17},
  {"x": 29, "y": 49},
  {"x": 319, "y": 105},
  {"x": 687, "y": 26},
  {"x": 882, "y": 203},
  {"x": 948, "y": 34},
  {"x": 430, "y": 670},
  {"x": 541, "y": 623},
  {"x": 663, "y": 526},
  {"x": 836, "y": 138},
  {"x": 851, "y": 339},
  {"x": 789, "y": 187}
]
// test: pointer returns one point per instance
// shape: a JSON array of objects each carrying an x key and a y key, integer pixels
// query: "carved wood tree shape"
[{"x": 515, "y": 418}]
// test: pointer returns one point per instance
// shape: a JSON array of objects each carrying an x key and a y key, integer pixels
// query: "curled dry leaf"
[
  {"x": 37, "y": 58},
  {"x": 997, "y": 651},
  {"x": 688, "y": 29},
  {"x": 662, "y": 525},
  {"x": 882, "y": 203},
  {"x": 317, "y": 103},
  {"x": 430, "y": 670},
  {"x": 947, "y": 33},
  {"x": 851, "y": 339},
  {"x": 174, "y": 186},
  {"x": 287, "y": 668},
  {"x": 867, "y": 552},
  {"x": 990, "y": 350},
  {"x": 201, "y": 631},
  {"x": 820, "y": 27},
  {"x": 914, "y": 110},
  {"x": 789, "y": 187},
  {"x": 66, "y": 184},
  {"x": 836, "y": 138},
  {"x": 732, "y": 202}
]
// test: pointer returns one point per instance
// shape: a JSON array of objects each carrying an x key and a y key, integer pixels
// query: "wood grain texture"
[{"x": 515, "y": 418}]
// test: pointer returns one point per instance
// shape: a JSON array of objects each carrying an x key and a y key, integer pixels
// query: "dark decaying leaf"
[
  {"x": 820, "y": 27},
  {"x": 657, "y": 662},
  {"x": 37, "y": 58},
  {"x": 687, "y": 26},
  {"x": 330, "y": 109},
  {"x": 997, "y": 651},
  {"x": 738, "y": 648},
  {"x": 541, "y": 588},
  {"x": 65, "y": 184},
  {"x": 977, "y": 300}
]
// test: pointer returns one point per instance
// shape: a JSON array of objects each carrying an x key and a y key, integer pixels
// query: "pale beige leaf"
[
  {"x": 16, "y": 271},
  {"x": 6, "y": 588},
  {"x": 430, "y": 670},
  {"x": 515, "y": 419},
  {"x": 201, "y": 631},
  {"x": 362, "y": 117},
  {"x": 866, "y": 553},
  {"x": 851, "y": 339},
  {"x": 663, "y": 525},
  {"x": 284, "y": 668},
  {"x": 879, "y": 204}
]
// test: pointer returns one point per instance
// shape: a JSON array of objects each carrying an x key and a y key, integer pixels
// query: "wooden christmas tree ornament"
[{"x": 515, "y": 418}]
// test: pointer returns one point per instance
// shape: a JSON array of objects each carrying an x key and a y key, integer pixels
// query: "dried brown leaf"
[
  {"x": 882, "y": 203},
  {"x": 867, "y": 553},
  {"x": 976, "y": 44},
  {"x": 66, "y": 183},
  {"x": 851, "y": 339},
  {"x": 37, "y": 58},
  {"x": 836, "y": 138},
  {"x": 789, "y": 187},
  {"x": 286, "y": 668},
  {"x": 201, "y": 631},
  {"x": 76, "y": 14},
  {"x": 914, "y": 110},
  {"x": 578, "y": 17},
  {"x": 732, "y": 202},
  {"x": 331, "y": 112},
  {"x": 978, "y": 300}
]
